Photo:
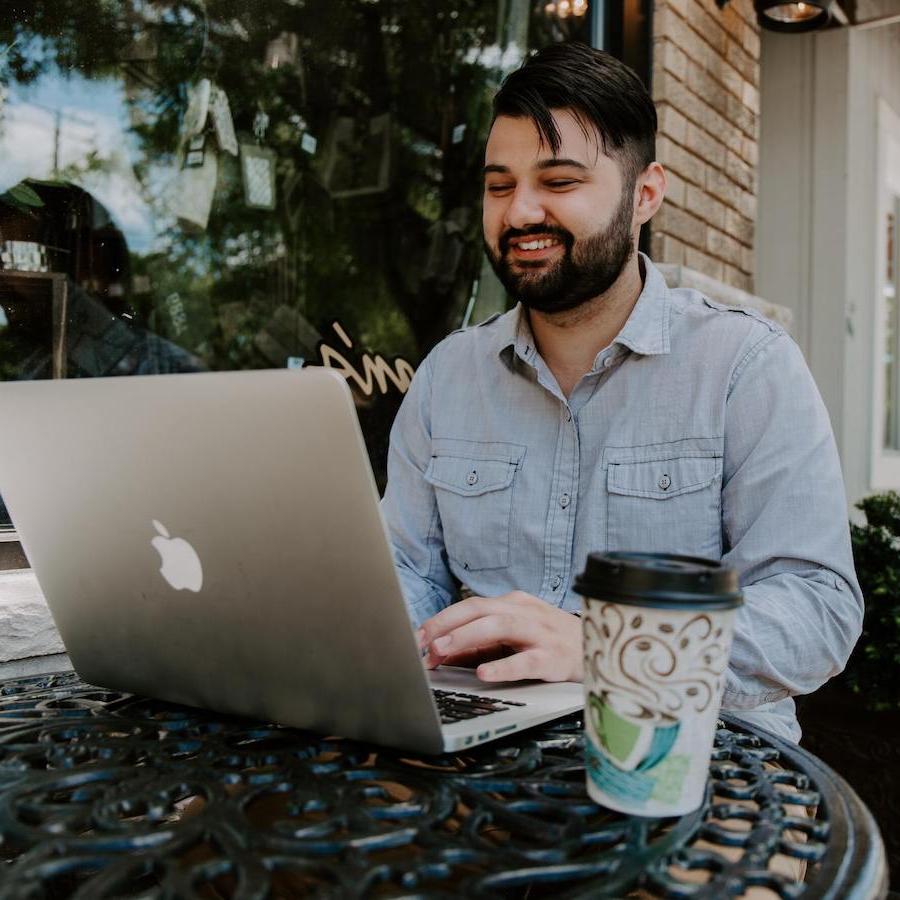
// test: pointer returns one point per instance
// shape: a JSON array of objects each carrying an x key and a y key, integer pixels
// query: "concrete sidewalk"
[{"x": 29, "y": 641}]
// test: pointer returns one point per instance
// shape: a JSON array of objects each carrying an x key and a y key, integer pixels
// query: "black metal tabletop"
[{"x": 105, "y": 794}]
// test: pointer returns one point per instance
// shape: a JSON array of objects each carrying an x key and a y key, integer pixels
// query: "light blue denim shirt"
[{"x": 699, "y": 430}]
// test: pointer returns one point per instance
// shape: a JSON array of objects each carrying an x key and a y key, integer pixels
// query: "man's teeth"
[{"x": 536, "y": 245}]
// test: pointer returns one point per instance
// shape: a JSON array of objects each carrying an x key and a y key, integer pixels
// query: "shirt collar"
[
  {"x": 645, "y": 332},
  {"x": 647, "y": 329},
  {"x": 511, "y": 334}
]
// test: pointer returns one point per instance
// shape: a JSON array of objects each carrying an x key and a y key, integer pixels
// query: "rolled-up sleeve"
[
  {"x": 409, "y": 506},
  {"x": 785, "y": 529}
]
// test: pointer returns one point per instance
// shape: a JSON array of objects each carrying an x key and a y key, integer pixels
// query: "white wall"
[
  {"x": 817, "y": 220},
  {"x": 783, "y": 227},
  {"x": 875, "y": 73}
]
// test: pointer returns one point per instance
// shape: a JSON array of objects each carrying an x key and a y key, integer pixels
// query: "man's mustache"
[{"x": 511, "y": 233}]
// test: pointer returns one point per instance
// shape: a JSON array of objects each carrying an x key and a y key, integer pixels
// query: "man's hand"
[{"x": 523, "y": 636}]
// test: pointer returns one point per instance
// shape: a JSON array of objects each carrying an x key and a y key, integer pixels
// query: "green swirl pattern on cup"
[{"x": 635, "y": 738}]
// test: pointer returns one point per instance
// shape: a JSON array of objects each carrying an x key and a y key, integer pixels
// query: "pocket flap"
[
  {"x": 662, "y": 479},
  {"x": 470, "y": 477}
]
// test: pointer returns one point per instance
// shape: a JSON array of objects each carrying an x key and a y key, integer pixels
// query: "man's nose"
[{"x": 524, "y": 209}]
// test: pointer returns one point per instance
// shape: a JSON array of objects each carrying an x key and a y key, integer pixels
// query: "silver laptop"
[{"x": 216, "y": 540}]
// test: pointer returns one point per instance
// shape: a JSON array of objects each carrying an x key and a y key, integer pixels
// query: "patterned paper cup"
[{"x": 657, "y": 635}]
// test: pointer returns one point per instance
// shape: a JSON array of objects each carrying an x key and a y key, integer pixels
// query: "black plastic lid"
[{"x": 660, "y": 580}]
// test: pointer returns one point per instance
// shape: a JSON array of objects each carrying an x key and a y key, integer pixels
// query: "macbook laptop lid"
[{"x": 215, "y": 539}]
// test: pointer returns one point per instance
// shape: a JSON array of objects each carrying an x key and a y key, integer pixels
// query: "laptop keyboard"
[{"x": 454, "y": 707}]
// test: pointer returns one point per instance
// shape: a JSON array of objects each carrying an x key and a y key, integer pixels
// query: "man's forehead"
[{"x": 518, "y": 139}]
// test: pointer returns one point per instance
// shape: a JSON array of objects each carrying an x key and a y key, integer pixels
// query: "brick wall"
[{"x": 706, "y": 89}]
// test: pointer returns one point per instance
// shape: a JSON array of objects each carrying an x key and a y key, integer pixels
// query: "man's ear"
[{"x": 650, "y": 188}]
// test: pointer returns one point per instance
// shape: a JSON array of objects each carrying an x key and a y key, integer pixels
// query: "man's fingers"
[
  {"x": 467, "y": 658},
  {"x": 466, "y": 611},
  {"x": 487, "y": 630},
  {"x": 461, "y": 633},
  {"x": 453, "y": 616},
  {"x": 527, "y": 664},
  {"x": 472, "y": 658}
]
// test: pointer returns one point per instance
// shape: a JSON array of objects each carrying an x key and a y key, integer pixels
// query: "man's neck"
[{"x": 570, "y": 341}]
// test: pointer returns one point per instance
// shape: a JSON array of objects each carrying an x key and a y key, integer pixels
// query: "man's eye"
[
  {"x": 561, "y": 182},
  {"x": 498, "y": 188}
]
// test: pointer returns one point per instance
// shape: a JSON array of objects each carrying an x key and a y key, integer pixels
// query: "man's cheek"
[{"x": 490, "y": 229}]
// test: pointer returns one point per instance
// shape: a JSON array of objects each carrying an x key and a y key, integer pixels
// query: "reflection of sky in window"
[{"x": 93, "y": 118}]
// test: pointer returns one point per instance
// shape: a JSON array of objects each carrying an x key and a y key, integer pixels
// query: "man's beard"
[{"x": 585, "y": 270}]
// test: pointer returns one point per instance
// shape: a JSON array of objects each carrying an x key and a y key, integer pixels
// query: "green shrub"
[{"x": 874, "y": 668}]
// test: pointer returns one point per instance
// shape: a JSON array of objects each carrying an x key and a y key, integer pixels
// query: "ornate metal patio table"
[{"x": 104, "y": 794}]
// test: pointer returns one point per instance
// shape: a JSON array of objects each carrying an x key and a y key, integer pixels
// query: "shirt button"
[
  {"x": 557, "y": 581},
  {"x": 665, "y": 483},
  {"x": 607, "y": 362},
  {"x": 564, "y": 501},
  {"x": 472, "y": 477}
]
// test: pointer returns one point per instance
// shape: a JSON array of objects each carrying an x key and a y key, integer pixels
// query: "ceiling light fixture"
[{"x": 793, "y": 15}]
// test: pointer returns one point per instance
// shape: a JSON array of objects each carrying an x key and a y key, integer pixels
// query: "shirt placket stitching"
[
  {"x": 573, "y": 503},
  {"x": 576, "y": 410},
  {"x": 545, "y": 381},
  {"x": 559, "y": 549},
  {"x": 549, "y": 534},
  {"x": 572, "y": 508}
]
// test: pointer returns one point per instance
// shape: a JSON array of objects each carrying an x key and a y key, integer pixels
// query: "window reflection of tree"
[{"x": 354, "y": 245}]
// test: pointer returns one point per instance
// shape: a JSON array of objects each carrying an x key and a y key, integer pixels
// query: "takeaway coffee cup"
[{"x": 657, "y": 635}]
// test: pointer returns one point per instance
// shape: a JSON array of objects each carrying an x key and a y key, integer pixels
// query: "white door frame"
[{"x": 885, "y": 463}]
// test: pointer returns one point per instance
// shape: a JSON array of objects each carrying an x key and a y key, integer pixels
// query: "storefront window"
[{"x": 189, "y": 185}]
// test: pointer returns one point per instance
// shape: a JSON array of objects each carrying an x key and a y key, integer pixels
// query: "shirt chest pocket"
[
  {"x": 474, "y": 485},
  {"x": 666, "y": 506}
]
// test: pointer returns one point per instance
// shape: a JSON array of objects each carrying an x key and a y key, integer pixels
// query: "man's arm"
[
  {"x": 785, "y": 529},
  {"x": 410, "y": 509}
]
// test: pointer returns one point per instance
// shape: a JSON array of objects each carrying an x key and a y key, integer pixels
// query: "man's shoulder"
[
  {"x": 697, "y": 306},
  {"x": 484, "y": 323},
  {"x": 714, "y": 329}
]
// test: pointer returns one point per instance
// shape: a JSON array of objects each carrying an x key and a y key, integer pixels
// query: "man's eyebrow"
[
  {"x": 551, "y": 163},
  {"x": 554, "y": 163}
]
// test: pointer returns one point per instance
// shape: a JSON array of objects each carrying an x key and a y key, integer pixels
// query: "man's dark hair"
[{"x": 600, "y": 90}]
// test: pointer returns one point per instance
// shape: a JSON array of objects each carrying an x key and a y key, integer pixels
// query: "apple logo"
[{"x": 180, "y": 563}]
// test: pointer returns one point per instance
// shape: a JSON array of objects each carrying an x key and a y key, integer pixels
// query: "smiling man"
[{"x": 607, "y": 412}]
